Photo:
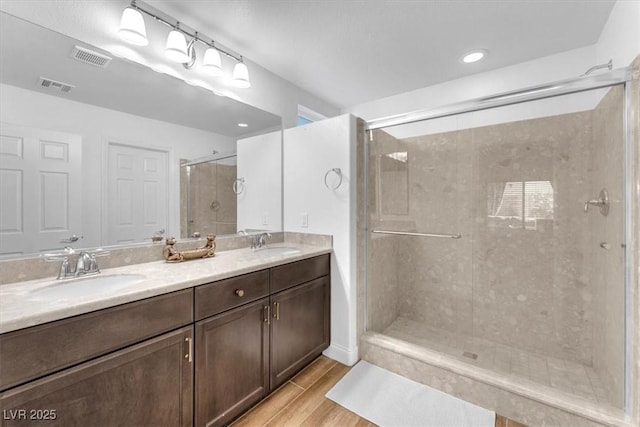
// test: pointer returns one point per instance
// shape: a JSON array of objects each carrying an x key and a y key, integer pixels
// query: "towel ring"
[
  {"x": 338, "y": 172},
  {"x": 238, "y": 185}
]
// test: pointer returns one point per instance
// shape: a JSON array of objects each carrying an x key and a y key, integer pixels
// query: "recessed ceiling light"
[
  {"x": 243, "y": 125},
  {"x": 473, "y": 56}
]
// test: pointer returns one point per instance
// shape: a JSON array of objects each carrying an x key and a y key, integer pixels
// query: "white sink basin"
[
  {"x": 276, "y": 250},
  {"x": 98, "y": 285}
]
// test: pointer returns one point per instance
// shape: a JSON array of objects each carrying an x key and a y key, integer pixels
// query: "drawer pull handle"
[
  {"x": 189, "y": 355},
  {"x": 267, "y": 314},
  {"x": 239, "y": 292},
  {"x": 276, "y": 310}
]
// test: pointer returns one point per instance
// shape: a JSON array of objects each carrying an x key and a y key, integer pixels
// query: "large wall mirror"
[{"x": 97, "y": 150}]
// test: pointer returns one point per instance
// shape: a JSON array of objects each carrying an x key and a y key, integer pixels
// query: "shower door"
[{"x": 491, "y": 241}]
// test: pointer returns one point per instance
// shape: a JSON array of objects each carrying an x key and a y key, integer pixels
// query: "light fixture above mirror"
[
  {"x": 178, "y": 49},
  {"x": 132, "y": 27}
]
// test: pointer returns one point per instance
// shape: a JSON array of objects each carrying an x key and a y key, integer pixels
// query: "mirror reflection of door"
[
  {"x": 137, "y": 197},
  {"x": 40, "y": 174}
]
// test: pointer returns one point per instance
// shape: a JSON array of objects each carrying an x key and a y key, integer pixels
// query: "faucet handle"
[
  {"x": 263, "y": 238},
  {"x": 58, "y": 256}
]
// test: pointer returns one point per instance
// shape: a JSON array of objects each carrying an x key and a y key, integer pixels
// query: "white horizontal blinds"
[
  {"x": 519, "y": 203},
  {"x": 538, "y": 200},
  {"x": 511, "y": 203}
]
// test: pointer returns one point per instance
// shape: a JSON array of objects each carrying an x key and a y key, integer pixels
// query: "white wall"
[
  {"x": 97, "y": 126},
  {"x": 260, "y": 164},
  {"x": 620, "y": 37},
  {"x": 309, "y": 152}
]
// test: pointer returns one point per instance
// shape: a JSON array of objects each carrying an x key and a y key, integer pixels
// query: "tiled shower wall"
[
  {"x": 213, "y": 204},
  {"x": 531, "y": 286},
  {"x": 607, "y": 265}
]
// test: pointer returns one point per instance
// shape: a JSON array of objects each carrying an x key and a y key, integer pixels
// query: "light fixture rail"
[{"x": 195, "y": 36}]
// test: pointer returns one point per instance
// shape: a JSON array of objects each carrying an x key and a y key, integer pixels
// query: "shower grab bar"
[{"x": 409, "y": 233}]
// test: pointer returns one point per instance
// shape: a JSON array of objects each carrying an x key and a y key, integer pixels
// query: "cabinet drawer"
[
  {"x": 33, "y": 352},
  {"x": 295, "y": 273},
  {"x": 217, "y": 297}
]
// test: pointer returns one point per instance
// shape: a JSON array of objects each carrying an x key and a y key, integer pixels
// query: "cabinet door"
[
  {"x": 299, "y": 328},
  {"x": 148, "y": 384},
  {"x": 232, "y": 363}
]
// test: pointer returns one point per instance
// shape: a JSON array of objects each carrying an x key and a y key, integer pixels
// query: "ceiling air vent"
[
  {"x": 54, "y": 85},
  {"x": 90, "y": 57}
]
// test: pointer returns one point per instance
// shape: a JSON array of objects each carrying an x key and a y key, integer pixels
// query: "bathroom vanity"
[{"x": 200, "y": 355}]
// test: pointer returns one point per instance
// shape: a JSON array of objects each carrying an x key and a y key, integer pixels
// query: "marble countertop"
[{"x": 19, "y": 309}]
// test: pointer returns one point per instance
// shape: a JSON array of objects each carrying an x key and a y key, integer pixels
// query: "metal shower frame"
[{"x": 583, "y": 83}]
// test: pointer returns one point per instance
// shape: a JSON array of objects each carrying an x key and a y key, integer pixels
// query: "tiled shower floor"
[{"x": 559, "y": 374}]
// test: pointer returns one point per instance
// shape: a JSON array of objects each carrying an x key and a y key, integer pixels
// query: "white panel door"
[
  {"x": 137, "y": 193},
  {"x": 40, "y": 189}
]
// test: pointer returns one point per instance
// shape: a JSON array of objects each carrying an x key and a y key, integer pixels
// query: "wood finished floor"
[{"x": 301, "y": 402}]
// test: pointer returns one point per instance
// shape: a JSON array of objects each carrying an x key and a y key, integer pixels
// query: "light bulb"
[
  {"x": 212, "y": 63},
  {"x": 241, "y": 76},
  {"x": 474, "y": 56},
  {"x": 176, "y": 49},
  {"x": 132, "y": 27}
]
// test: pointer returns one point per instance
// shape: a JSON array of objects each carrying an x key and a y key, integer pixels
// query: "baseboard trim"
[{"x": 342, "y": 354}]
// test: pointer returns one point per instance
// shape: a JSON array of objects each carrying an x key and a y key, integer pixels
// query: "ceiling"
[
  {"x": 346, "y": 52},
  {"x": 30, "y": 52},
  {"x": 353, "y": 51}
]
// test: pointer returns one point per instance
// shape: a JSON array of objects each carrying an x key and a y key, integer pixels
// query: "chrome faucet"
[
  {"x": 86, "y": 263},
  {"x": 259, "y": 240},
  {"x": 262, "y": 240}
]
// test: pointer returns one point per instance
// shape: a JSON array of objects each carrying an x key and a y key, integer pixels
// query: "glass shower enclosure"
[
  {"x": 208, "y": 197},
  {"x": 496, "y": 236}
]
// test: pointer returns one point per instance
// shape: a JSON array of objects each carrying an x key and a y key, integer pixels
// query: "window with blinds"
[{"x": 519, "y": 204}]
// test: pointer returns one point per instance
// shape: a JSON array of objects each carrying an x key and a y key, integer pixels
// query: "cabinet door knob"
[{"x": 240, "y": 292}]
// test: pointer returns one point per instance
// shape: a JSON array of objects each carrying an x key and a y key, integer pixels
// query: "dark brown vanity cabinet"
[
  {"x": 232, "y": 363},
  {"x": 126, "y": 365},
  {"x": 232, "y": 347},
  {"x": 299, "y": 328},
  {"x": 148, "y": 384},
  {"x": 248, "y": 351},
  {"x": 199, "y": 356}
]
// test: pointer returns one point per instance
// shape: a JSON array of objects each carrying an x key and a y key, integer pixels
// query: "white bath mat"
[{"x": 388, "y": 399}]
